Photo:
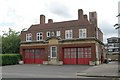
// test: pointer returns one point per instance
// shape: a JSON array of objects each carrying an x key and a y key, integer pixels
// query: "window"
[
  {"x": 115, "y": 40},
  {"x": 110, "y": 40},
  {"x": 82, "y": 33},
  {"x": 68, "y": 34},
  {"x": 29, "y": 37},
  {"x": 115, "y": 50},
  {"x": 80, "y": 52},
  {"x": 116, "y": 44},
  {"x": 57, "y": 33},
  {"x": 39, "y": 36},
  {"x": 110, "y": 50},
  {"x": 48, "y": 34},
  {"x": 53, "y": 51},
  {"x": 39, "y": 53}
]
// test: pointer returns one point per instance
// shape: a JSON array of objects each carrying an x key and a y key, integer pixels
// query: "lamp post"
[{"x": 118, "y": 28}]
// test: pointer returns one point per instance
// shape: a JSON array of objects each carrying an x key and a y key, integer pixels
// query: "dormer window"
[
  {"x": 29, "y": 37},
  {"x": 82, "y": 33},
  {"x": 39, "y": 36},
  {"x": 68, "y": 34}
]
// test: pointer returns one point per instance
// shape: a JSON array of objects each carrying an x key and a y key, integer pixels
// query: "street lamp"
[{"x": 118, "y": 26}]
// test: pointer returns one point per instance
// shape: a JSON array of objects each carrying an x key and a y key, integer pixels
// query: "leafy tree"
[
  {"x": 10, "y": 41},
  {"x": 0, "y": 44}
]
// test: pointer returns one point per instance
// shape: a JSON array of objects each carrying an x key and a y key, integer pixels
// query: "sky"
[{"x": 20, "y": 14}]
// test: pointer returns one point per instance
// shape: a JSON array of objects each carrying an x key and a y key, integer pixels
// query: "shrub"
[{"x": 9, "y": 59}]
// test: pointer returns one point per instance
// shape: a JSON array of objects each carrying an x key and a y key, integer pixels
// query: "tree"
[
  {"x": 0, "y": 44},
  {"x": 10, "y": 41}
]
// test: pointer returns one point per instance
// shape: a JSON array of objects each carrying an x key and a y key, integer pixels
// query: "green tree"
[
  {"x": 10, "y": 41},
  {"x": 0, "y": 44}
]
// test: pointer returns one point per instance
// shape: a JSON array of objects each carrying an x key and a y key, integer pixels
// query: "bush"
[{"x": 9, "y": 59}]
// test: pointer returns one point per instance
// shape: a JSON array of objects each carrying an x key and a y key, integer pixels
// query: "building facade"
[
  {"x": 69, "y": 42},
  {"x": 113, "y": 48}
]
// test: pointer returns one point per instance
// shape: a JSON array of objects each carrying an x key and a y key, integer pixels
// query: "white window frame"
[
  {"x": 29, "y": 37},
  {"x": 39, "y": 35},
  {"x": 57, "y": 33},
  {"x": 68, "y": 34},
  {"x": 48, "y": 33},
  {"x": 52, "y": 51},
  {"x": 82, "y": 33}
]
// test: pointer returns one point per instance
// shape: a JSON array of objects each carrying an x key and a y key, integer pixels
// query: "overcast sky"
[{"x": 20, "y": 14}]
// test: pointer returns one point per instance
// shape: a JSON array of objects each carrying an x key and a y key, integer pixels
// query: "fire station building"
[{"x": 69, "y": 42}]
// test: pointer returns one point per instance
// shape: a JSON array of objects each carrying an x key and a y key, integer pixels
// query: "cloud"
[
  {"x": 7, "y": 24},
  {"x": 59, "y": 9},
  {"x": 108, "y": 29}
]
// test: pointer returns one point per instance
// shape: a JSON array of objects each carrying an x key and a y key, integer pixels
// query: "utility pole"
[{"x": 118, "y": 28}]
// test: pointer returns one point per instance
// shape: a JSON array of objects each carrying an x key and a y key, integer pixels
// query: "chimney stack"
[
  {"x": 50, "y": 21},
  {"x": 93, "y": 18},
  {"x": 85, "y": 17},
  {"x": 42, "y": 19},
  {"x": 80, "y": 14}
]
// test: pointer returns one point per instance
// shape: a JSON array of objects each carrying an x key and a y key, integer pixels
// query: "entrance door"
[{"x": 53, "y": 51}]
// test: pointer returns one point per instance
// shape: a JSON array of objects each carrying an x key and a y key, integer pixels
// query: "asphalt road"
[
  {"x": 48, "y": 72},
  {"x": 42, "y": 71},
  {"x": 56, "y": 79}
]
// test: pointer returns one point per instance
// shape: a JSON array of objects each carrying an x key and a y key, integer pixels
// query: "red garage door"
[
  {"x": 39, "y": 56},
  {"x": 84, "y": 55},
  {"x": 34, "y": 56},
  {"x": 77, "y": 55},
  {"x": 29, "y": 56},
  {"x": 69, "y": 56}
]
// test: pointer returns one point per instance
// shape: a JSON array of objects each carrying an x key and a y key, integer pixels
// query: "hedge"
[{"x": 9, "y": 59}]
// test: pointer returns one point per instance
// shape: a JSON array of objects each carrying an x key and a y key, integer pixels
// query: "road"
[
  {"x": 23, "y": 72},
  {"x": 42, "y": 71}
]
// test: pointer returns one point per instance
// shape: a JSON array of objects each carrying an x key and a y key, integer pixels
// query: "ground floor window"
[
  {"x": 77, "y": 52},
  {"x": 53, "y": 51},
  {"x": 70, "y": 53}
]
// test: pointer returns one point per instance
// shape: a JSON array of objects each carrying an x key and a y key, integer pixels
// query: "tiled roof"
[{"x": 59, "y": 24}]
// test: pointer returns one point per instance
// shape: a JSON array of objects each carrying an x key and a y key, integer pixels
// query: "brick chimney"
[
  {"x": 42, "y": 19},
  {"x": 50, "y": 21},
  {"x": 93, "y": 18},
  {"x": 85, "y": 17},
  {"x": 80, "y": 14}
]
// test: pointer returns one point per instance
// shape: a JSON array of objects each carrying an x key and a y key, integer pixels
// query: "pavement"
[{"x": 103, "y": 70}]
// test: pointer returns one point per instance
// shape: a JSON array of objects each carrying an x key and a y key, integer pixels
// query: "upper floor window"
[
  {"x": 39, "y": 36},
  {"x": 68, "y": 34},
  {"x": 57, "y": 33},
  {"x": 29, "y": 37},
  {"x": 116, "y": 44},
  {"x": 48, "y": 34},
  {"x": 110, "y": 40},
  {"x": 115, "y": 40},
  {"x": 82, "y": 33}
]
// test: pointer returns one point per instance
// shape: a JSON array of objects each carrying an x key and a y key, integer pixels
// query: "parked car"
[
  {"x": 109, "y": 59},
  {"x": 106, "y": 60}
]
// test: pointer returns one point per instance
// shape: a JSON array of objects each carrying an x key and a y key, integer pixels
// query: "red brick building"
[{"x": 70, "y": 42}]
